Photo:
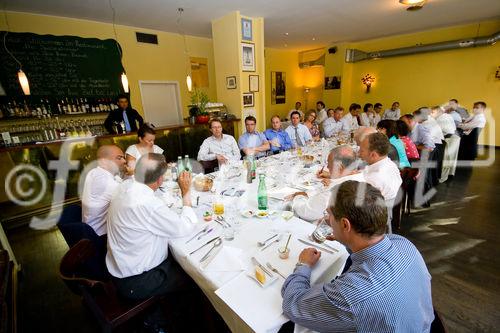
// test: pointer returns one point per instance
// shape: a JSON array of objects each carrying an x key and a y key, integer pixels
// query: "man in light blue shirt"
[
  {"x": 387, "y": 288},
  {"x": 278, "y": 139},
  {"x": 253, "y": 142},
  {"x": 419, "y": 134},
  {"x": 299, "y": 134},
  {"x": 333, "y": 125}
]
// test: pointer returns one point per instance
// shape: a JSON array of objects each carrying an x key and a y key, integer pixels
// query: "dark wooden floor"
[{"x": 458, "y": 237}]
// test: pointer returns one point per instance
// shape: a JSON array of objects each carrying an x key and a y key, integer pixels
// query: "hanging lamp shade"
[
  {"x": 189, "y": 83},
  {"x": 125, "y": 82},
  {"x": 23, "y": 80}
]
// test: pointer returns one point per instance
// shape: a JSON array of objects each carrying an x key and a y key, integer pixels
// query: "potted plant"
[{"x": 199, "y": 100}]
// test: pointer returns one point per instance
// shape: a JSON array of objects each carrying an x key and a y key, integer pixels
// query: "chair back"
[
  {"x": 71, "y": 214},
  {"x": 77, "y": 268}
]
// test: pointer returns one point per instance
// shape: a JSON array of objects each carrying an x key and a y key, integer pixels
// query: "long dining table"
[{"x": 235, "y": 240}]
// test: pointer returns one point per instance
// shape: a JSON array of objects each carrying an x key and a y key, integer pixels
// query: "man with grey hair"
[
  {"x": 140, "y": 226},
  {"x": 342, "y": 166}
]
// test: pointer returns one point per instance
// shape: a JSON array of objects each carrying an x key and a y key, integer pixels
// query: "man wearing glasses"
[{"x": 100, "y": 185}]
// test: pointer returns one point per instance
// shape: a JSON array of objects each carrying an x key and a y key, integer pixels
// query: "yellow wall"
[
  {"x": 166, "y": 61},
  {"x": 426, "y": 79},
  {"x": 297, "y": 80}
]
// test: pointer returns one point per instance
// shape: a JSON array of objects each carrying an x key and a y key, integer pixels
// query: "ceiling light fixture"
[
  {"x": 286, "y": 33},
  {"x": 21, "y": 76},
  {"x": 413, "y": 4},
  {"x": 189, "y": 81},
  {"x": 123, "y": 76}
]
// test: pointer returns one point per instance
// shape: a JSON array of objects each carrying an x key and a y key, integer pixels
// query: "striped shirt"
[{"x": 386, "y": 289}]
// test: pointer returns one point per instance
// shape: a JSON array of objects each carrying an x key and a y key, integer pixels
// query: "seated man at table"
[
  {"x": 350, "y": 120},
  {"x": 342, "y": 166},
  {"x": 387, "y": 288},
  {"x": 299, "y": 133},
  {"x": 333, "y": 125},
  {"x": 380, "y": 172},
  {"x": 100, "y": 186},
  {"x": 219, "y": 148},
  {"x": 278, "y": 139},
  {"x": 253, "y": 142},
  {"x": 297, "y": 108}
]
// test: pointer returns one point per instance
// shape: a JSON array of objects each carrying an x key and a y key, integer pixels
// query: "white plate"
[
  {"x": 247, "y": 213},
  {"x": 269, "y": 280},
  {"x": 287, "y": 215},
  {"x": 262, "y": 214}
]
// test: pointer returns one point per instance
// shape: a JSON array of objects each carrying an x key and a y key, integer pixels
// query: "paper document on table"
[
  {"x": 281, "y": 193},
  {"x": 259, "y": 307},
  {"x": 227, "y": 260}
]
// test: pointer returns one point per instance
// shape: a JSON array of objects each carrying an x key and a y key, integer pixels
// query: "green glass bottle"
[
  {"x": 187, "y": 164},
  {"x": 262, "y": 194},
  {"x": 180, "y": 165}
]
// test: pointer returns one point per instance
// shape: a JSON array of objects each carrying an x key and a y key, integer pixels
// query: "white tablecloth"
[{"x": 243, "y": 304}]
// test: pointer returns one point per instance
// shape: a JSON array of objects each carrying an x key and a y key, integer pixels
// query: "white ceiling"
[{"x": 327, "y": 21}]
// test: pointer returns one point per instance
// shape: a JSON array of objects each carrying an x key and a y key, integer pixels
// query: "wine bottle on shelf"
[
  {"x": 81, "y": 132},
  {"x": 48, "y": 106},
  {"x": 87, "y": 105},
  {"x": 43, "y": 107}
]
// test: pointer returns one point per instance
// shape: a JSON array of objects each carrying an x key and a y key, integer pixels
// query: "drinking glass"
[
  {"x": 322, "y": 230},
  {"x": 218, "y": 205}
]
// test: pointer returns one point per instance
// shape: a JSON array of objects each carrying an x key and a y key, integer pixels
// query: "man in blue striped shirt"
[{"x": 387, "y": 288}]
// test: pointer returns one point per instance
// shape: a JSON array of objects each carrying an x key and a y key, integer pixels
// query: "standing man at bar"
[
  {"x": 299, "y": 133},
  {"x": 125, "y": 119},
  {"x": 278, "y": 139}
]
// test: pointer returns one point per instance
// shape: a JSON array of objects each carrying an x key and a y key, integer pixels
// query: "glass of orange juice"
[{"x": 218, "y": 206}]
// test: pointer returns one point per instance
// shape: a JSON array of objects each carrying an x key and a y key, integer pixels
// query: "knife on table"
[{"x": 210, "y": 241}]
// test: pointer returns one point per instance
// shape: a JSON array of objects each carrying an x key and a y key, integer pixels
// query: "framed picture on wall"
[
  {"x": 248, "y": 57},
  {"x": 332, "y": 82},
  {"x": 230, "y": 82},
  {"x": 278, "y": 87},
  {"x": 246, "y": 29},
  {"x": 253, "y": 83},
  {"x": 248, "y": 99}
]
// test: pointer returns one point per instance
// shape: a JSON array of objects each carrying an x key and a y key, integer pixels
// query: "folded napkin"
[{"x": 227, "y": 260}]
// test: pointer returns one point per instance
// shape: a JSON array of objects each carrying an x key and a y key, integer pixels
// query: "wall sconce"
[
  {"x": 497, "y": 73},
  {"x": 367, "y": 81}
]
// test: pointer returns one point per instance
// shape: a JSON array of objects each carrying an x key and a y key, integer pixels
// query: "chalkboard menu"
[{"x": 61, "y": 66}]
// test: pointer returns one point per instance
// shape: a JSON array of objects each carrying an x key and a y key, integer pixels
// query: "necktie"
[
  {"x": 125, "y": 120},
  {"x": 297, "y": 138}
]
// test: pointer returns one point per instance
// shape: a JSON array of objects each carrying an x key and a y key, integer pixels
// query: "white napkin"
[{"x": 227, "y": 260}]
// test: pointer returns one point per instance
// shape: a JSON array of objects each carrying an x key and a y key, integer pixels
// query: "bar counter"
[{"x": 26, "y": 168}]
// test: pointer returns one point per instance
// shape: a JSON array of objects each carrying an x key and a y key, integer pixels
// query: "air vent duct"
[
  {"x": 146, "y": 38},
  {"x": 354, "y": 55}
]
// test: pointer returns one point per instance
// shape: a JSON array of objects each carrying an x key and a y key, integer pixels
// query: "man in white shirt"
[
  {"x": 297, "y": 108},
  {"x": 444, "y": 120},
  {"x": 394, "y": 113},
  {"x": 334, "y": 124},
  {"x": 437, "y": 155},
  {"x": 140, "y": 226},
  {"x": 219, "y": 147},
  {"x": 380, "y": 172},
  {"x": 341, "y": 167},
  {"x": 100, "y": 185},
  {"x": 350, "y": 120},
  {"x": 321, "y": 112},
  {"x": 471, "y": 129},
  {"x": 298, "y": 133}
]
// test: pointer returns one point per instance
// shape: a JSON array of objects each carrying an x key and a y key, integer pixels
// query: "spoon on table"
[{"x": 217, "y": 243}]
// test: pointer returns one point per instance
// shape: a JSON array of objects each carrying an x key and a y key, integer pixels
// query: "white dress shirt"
[
  {"x": 303, "y": 132},
  {"x": 477, "y": 120},
  {"x": 98, "y": 189},
  {"x": 435, "y": 129},
  {"x": 369, "y": 119},
  {"x": 134, "y": 152},
  {"x": 392, "y": 115},
  {"x": 447, "y": 124},
  {"x": 350, "y": 123},
  {"x": 332, "y": 127},
  {"x": 312, "y": 208},
  {"x": 139, "y": 228},
  {"x": 226, "y": 146},
  {"x": 322, "y": 115},
  {"x": 385, "y": 176}
]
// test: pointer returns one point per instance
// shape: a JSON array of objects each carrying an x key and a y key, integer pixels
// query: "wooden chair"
[
  {"x": 99, "y": 294},
  {"x": 209, "y": 166}
]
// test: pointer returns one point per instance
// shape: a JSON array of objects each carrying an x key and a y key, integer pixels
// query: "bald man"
[{"x": 100, "y": 185}]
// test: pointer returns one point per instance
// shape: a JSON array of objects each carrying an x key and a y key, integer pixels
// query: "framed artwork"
[
  {"x": 248, "y": 57},
  {"x": 253, "y": 83},
  {"x": 332, "y": 82},
  {"x": 248, "y": 99},
  {"x": 230, "y": 82},
  {"x": 246, "y": 29},
  {"x": 278, "y": 87}
]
